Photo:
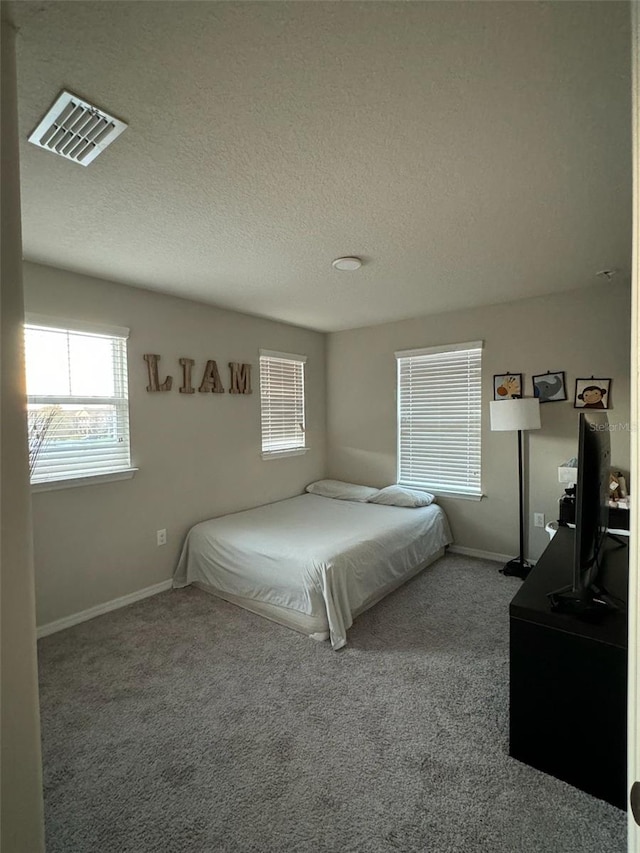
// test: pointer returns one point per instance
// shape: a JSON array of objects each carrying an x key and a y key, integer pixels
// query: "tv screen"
[
  {"x": 586, "y": 597},
  {"x": 592, "y": 497}
]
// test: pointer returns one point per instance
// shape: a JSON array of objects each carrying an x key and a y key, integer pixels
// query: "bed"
[{"x": 312, "y": 563}]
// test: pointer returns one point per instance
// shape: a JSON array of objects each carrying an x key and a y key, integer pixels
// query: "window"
[
  {"x": 77, "y": 400},
  {"x": 439, "y": 419},
  {"x": 282, "y": 403}
]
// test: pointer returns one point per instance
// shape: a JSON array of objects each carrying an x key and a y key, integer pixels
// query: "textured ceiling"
[{"x": 470, "y": 153}]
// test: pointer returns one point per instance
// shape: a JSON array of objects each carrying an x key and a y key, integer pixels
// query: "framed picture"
[
  {"x": 592, "y": 393},
  {"x": 507, "y": 385},
  {"x": 550, "y": 387}
]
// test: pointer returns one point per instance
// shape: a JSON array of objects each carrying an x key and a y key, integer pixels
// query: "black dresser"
[{"x": 568, "y": 677}]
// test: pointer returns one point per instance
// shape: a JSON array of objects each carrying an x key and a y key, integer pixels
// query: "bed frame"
[{"x": 314, "y": 627}]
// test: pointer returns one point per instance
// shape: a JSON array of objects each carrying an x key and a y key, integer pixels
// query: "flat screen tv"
[{"x": 586, "y": 595}]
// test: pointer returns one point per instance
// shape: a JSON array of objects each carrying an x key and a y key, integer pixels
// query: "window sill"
[
  {"x": 458, "y": 496},
  {"x": 464, "y": 496},
  {"x": 281, "y": 454},
  {"x": 91, "y": 480}
]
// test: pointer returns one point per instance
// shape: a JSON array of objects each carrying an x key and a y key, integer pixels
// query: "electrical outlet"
[
  {"x": 538, "y": 519},
  {"x": 161, "y": 537}
]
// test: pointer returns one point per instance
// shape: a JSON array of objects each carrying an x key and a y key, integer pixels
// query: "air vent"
[{"x": 76, "y": 130}]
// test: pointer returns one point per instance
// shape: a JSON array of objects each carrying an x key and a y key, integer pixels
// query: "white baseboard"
[
  {"x": 484, "y": 555},
  {"x": 99, "y": 609},
  {"x": 123, "y": 601}
]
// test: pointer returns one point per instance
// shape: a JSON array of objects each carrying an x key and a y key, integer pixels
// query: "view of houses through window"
[{"x": 78, "y": 411}]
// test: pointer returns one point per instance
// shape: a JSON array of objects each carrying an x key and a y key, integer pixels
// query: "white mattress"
[{"x": 317, "y": 556}]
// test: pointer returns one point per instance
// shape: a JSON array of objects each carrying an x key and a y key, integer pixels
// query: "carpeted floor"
[{"x": 183, "y": 723}]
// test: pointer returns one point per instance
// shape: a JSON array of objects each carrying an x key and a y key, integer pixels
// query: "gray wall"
[
  {"x": 198, "y": 455},
  {"x": 584, "y": 333},
  {"x": 22, "y": 811}
]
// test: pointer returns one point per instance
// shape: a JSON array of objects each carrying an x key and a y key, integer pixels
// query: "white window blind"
[
  {"x": 439, "y": 397},
  {"x": 282, "y": 402},
  {"x": 77, "y": 401}
]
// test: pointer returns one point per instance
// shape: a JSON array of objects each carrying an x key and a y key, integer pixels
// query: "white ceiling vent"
[{"x": 76, "y": 130}]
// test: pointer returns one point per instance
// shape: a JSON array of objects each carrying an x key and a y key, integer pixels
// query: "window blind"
[
  {"x": 439, "y": 399},
  {"x": 282, "y": 402},
  {"x": 77, "y": 402}
]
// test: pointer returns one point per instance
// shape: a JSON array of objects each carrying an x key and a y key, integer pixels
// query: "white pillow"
[
  {"x": 401, "y": 496},
  {"x": 341, "y": 491}
]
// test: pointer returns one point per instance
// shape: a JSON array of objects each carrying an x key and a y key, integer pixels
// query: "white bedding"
[{"x": 311, "y": 554}]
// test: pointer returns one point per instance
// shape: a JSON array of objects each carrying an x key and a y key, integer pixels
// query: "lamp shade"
[{"x": 518, "y": 413}]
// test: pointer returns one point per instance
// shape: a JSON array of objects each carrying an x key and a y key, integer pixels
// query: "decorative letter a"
[{"x": 211, "y": 379}]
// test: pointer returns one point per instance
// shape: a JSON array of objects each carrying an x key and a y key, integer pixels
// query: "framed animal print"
[
  {"x": 550, "y": 387},
  {"x": 592, "y": 394},
  {"x": 506, "y": 386}
]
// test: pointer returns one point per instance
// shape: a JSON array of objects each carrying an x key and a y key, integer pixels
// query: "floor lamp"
[{"x": 518, "y": 414}]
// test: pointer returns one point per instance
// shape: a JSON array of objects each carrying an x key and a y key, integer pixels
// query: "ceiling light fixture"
[{"x": 350, "y": 263}]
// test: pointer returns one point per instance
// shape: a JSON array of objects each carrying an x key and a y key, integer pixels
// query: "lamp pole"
[
  {"x": 519, "y": 567},
  {"x": 517, "y": 414},
  {"x": 521, "y": 496}
]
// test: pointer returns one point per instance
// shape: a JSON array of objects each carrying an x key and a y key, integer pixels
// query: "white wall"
[
  {"x": 584, "y": 333},
  {"x": 198, "y": 455},
  {"x": 22, "y": 809}
]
